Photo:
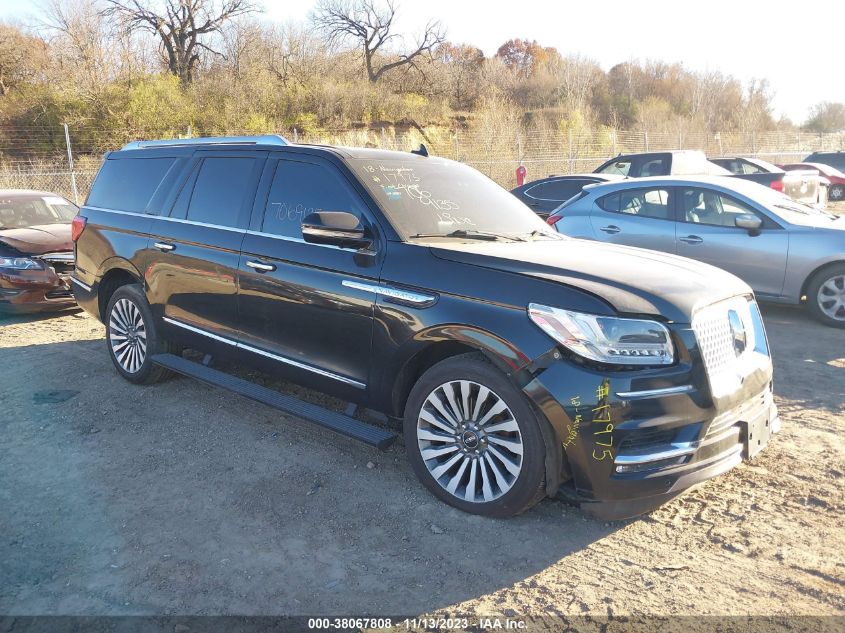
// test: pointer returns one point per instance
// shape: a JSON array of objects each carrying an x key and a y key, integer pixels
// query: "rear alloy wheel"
[
  {"x": 473, "y": 439},
  {"x": 131, "y": 336},
  {"x": 837, "y": 193},
  {"x": 826, "y": 295}
]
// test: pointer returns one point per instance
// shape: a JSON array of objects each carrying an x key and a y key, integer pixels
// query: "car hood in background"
[
  {"x": 817, "y": 221},
  {"x": 37, "y": 240},
  {"x": 632, "y": 280}
]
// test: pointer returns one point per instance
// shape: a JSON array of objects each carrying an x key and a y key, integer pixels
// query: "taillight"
[
  {"x": 777, "y": 185},
  {"x": 77, "y": 226},
  {"x": 553, "y": 219}
]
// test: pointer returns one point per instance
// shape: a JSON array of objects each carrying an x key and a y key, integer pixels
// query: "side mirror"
[
  {"x": 749, "y": 222},
  {"x": 335, "y": 228}
]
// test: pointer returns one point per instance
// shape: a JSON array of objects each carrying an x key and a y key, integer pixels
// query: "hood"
[
  {"x": 818, "y": 222},
  {"x": 37, "y": 240},
  {"x": 631, "y": 280}
]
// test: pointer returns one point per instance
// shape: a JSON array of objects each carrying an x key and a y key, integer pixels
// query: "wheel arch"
[
  {"x": 805, "y": 285},
  {"x": 115, "y": 272}
]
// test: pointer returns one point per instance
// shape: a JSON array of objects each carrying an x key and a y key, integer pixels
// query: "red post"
[{"x": 520, "y": 175}]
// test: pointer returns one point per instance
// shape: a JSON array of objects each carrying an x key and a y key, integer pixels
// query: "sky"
[{"x": 797, "y": 46}]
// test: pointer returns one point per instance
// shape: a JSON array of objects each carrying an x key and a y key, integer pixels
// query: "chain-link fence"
[{"x": 38, "y": 158}]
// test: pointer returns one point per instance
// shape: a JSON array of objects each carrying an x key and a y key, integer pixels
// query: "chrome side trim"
[
  {"x": 654, "y": 393},
  {"x": 393, "y": 293},
  {"x": 678, "y": 450},
  {"x": 197, "y": 330},
  {"x": 80, "y": 284},
  {"x": 298, "y": 240},
  {"x": 161, "y": 217},
  {"x": 255, "y": 350}
]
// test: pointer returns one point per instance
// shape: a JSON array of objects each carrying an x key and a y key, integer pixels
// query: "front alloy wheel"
[
  {"x": 831, "y": 297},
  {"x": 473, "y": 438},
  {"x": 469, "y": 441}
]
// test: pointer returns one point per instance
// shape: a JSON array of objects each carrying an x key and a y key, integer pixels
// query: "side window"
[
  {"x": 700, "y": 206},
  {"x": 556, "y": 190},
  {"x": 300, "y": 188},
  {"x": 750, "y": 168},
  {"x": 647, "y": 203},
  {"x": 128, "y": 184},
  {"x": 654, "y": 167},
  {"x": 622, "y": 167},
  {"x": 221, "y": 186}
]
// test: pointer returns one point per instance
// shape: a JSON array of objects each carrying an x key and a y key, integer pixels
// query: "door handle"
[
  {"x": 691, "y": 239},
  {"x": 261, "y": 266},
  {"x": 612, "y": 228},
  {"x": 164, "y": 246}
]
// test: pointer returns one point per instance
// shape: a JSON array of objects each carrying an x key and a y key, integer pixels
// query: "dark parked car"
[
  {"x": 36, "y": 251},
  {"x": 806, "y": 186},
  {"x": 516, "y": 359},
  {"x": 547, "y": 194},
  {"x": 834, "y": 159}
]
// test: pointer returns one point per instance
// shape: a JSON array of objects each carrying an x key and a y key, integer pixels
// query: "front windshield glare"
[
  {"x": 438, "y": 197},
  {"x": 22, "y": 212}
]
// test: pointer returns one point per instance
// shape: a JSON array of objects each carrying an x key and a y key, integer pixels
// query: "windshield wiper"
[{"x": 472, "y": 234}]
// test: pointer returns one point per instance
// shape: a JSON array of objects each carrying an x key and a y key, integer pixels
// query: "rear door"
[
  {"x": 707, "y": 232},
  {"x": 643, "y": 217},
  {"x": 305, "y": 309},
  {"x": 194, "y": 250}
]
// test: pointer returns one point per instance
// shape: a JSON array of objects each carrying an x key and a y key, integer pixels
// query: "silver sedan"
[{"x": 786, "y": 251}]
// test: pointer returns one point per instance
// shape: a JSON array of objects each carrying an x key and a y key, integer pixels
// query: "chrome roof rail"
[{"x": 267, "y": 139}]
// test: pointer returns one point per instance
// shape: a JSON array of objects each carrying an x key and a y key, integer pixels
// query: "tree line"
[{"x": 167, "y": 67}]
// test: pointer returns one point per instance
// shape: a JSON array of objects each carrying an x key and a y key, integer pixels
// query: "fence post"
[
  {"x": 645, "y": 139},
  {"x": 457, "y": 152},
  {"x": 70, "y": 165},
  {"x": 295, "y": 136}
]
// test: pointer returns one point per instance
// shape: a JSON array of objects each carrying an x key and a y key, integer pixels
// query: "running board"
[{"x": 338, "y": 422}]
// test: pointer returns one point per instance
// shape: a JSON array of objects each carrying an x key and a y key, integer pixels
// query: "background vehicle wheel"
[
  {"x": 131, "y": 336},
  {"x": 826, "y": 295},
  {"x": 473, "y": 439},
  {"x": 836, "y": 193}
]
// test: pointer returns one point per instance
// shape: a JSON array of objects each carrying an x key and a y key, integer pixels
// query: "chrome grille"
[{"x": 715, "y": 336}]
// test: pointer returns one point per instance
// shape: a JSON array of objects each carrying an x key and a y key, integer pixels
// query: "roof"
[
  {"x": 26, "y": 193},
  {"x": 748, "y": 188}
]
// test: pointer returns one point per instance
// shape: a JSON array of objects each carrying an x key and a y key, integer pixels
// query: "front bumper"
[
  {"x": 634, "y": 439},
  {"x": 28, "y": 291}
]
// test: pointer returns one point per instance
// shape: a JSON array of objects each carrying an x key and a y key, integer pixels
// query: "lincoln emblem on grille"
[{"x": 740, "y": 338}]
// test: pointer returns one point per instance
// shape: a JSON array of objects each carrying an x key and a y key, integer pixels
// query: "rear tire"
[
  {"x": 131, "y": 336},
  {"x": 826, "y": 295},
  {"x": 474, "y": 440}
]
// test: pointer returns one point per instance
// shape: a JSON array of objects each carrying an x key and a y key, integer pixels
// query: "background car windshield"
[
  {"x": 437, "y": 196},
  {"x": 21, "y": 212}
]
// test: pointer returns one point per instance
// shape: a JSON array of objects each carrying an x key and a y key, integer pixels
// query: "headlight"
[
  {"x": 606, "y": 339},
  {"x": 20, "y": 263}
]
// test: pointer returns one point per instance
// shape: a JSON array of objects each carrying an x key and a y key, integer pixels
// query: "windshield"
[
  {"x": 23, "y": 211},
  {"x": 435, "y": 197}
]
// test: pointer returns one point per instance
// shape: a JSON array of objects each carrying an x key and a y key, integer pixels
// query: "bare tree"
[
  {"x": 181, "y": 25},
  {"x": 369, "y": 23}
]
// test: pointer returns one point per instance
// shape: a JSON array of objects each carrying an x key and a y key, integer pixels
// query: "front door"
[
  {"x": 708, "y": 232},
  {"x": 300, "y": 311},
  {"x": 194, "y": 251}
]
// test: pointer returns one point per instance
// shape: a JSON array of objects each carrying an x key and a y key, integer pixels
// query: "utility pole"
[{"x": 70, "y": 164}]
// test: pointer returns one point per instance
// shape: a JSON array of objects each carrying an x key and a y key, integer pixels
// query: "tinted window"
[
  {"x": 649, "y": 203},
  {"x": 835, "y": 160},
  {"x": 127, "y": 184},
  {"x": 655, "y": 167},
  {"x": 622, "y": 167},
  {"x": 302, "y": 188},
  {"x": 700, "y": 206},
  {"x": 220, "y": 189},
  {"x": 556, "y": 190},
  {"x": 20, "y": 212}
]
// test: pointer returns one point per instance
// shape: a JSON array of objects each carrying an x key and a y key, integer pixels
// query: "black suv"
[{"x": 518, "y": 360}]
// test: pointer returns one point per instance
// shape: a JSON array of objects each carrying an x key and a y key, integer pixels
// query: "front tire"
[
  {"x": 837, "y": 193},
  {"x": 473, "y": 439},
  {"x": 826, "y": 295},
  {"x": 131, "y": 336}
]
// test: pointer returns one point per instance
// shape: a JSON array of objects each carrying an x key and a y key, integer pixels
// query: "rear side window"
[
  {"x": 556, "y": 190},
  {"x": 128, "y": 184},
  {"x": 649, "y": 203},
  {"x": 622, "y": 167},
  {"x": 655, "y": 167},
  {"x": 299, "y": 189},
  {"x": 221, "y": 187}
]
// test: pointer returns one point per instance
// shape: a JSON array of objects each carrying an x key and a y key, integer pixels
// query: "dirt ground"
[{"x": 181, "y": 499}]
